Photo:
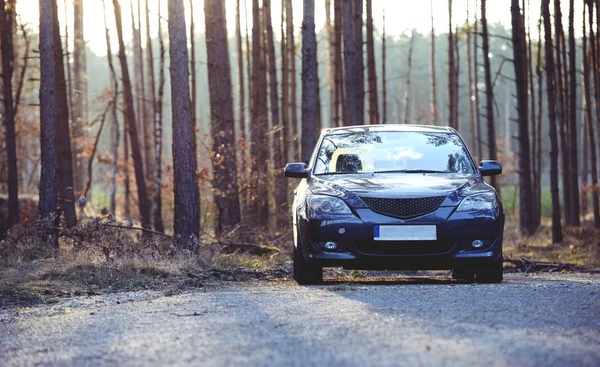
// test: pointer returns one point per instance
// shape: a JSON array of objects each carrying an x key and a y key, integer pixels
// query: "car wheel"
[
  {"x": 491, "y": 274},
  {"x": 305, "y": 273},
  {"x": 463, "y": 274}
]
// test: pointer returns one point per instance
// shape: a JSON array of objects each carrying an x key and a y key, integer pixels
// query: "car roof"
[{"x": 388, "y": 127}]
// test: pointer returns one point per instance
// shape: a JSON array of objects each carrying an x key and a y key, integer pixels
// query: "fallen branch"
[{"x": 528, "y": 266}]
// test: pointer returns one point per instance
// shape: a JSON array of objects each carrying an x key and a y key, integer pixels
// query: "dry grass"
[
  {"x": 580, "y": 246},
  {"x": 93, "y": 259}
]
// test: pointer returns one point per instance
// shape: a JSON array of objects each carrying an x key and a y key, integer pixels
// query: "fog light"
[
  {"x": 477, "y": 244},
  {"x": 330, "y": 245}
]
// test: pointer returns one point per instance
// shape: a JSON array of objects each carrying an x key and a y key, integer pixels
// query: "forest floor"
[{"x": 32, "y": 274}]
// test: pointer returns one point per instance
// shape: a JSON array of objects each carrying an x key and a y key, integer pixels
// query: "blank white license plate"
[{"x": 405, "y": 233}]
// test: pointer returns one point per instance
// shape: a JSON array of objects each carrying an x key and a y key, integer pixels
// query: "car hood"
[{"x": 397, "y": 185}]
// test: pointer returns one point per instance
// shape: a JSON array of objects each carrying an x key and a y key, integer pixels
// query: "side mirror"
[
  {"x": 297, "y": 170},
  {"x": 490, "y": 168}
]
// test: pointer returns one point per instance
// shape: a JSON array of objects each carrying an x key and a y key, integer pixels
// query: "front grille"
[
  {"x": 404, "y": 208},
  {"x": 370, "y": 247}
]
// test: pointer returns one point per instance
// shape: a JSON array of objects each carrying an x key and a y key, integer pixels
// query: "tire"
[
  {"x": 305, "y": 273},
  {"x": 491, "y": 274},
  {"x": 463, "y": 274}
]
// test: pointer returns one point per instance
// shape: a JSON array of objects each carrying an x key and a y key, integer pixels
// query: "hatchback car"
[{"x": 396, "y": 197}]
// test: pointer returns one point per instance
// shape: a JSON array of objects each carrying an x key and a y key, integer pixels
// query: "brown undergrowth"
[
  {"x": 580, "y": 248},
  {"x": 102, "y": 255}
]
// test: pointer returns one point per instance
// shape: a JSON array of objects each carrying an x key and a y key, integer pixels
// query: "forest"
[{"x": 180, "y": 132}]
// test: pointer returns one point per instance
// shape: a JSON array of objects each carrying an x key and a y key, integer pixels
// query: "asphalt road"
[{"x": 529, "y": 320}]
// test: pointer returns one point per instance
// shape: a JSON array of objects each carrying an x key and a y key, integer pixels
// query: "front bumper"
[{"x": 358, "y": 250}]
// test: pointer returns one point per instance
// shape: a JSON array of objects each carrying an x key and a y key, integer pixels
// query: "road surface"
[{"x": 529, "y": 320}]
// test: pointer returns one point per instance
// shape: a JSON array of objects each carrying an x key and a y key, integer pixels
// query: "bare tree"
[
  {"x": 340, "y": 117},
  {"x": 187, "y": 213},
  {"x": 278, "y": 130},
  {"x": 132, "y": 128},
  {"x": 383, "y": 75},
  {"x": 7, "y": 19},
  {"x": 588, "y": 110},
  {"x": 451, "y": 71},
  {"x": 548, "y": 48},
  {"x": 114, "y": 131},
  {"x": 259, "y": 119},
  {"x": 470, "y": 82},
  {"x": 291, "y": 45},
  {"x": 562, "y": 112},
  {"x": 407, "y": 112},
  {"x": 64, "y": 154},
  {"x": 225, "y": 187},
  {"x": 193, "y": 64},
  {"x": 573, "y": 167},
  {"x": 372, "y": 74},
  {"x": 350, "y": 63},
  {"x": 158, "y": 123},
  {"x": 433, "y": 109},
  {"x": 240, "y": 131},
  {"x": 520, "y": 63},
  {"x": 489, "y": 91},
  {"x": 310, "y": 81},
  {"x": 47, "y": 192},
  {"x": 593, "y": 59},
  {"x": 80, "y": 94},
  {"x": 476, "y": 83},
  {"x": 357, "y": 7}
]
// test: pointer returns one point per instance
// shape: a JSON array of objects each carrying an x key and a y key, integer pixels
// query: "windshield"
[{"x": 393, "y": 151}]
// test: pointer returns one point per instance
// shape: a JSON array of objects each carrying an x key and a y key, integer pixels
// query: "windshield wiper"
[
  {"x": 412, "y": 171},
  {"x": 340, "y": 173}
]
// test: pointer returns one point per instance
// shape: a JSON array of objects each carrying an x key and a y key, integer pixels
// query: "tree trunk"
[
  {"x": 259, "y": 205},
  {"x": 330, "y": 63},
  {"x": 358, "y": 58},
  {"x": 451, "y": 70},
  {"x": 538, "y": 150},
  {"x": 383, "y": 76},
  {"x": 433, "y": 109},
  {"x": 372, "y": 73},
  {"x": 285, "y": 90},
  {"x": 240, "y": 130},
  {"x": 114, "y": 134},
  {"x": 187, "y": 216},
  {"x": 138, "y": 162},
  {"x": 310, "y": 82},
  {"x": 80, "y": 95},
  {"x": 278, "y": 130},
  {"x": 350, "y": 63},
  {"x": 291, "y": 43},
  {"x": 225, "y": 187},
  {"x": 526, "y": 217},
  {"x": 47, "y": 192},
  {"x": 476, "y": 80},
  {"x": 489, "y": 92},
  {"x": 7, "y": 19},
  {"x": 64, "y": 154},
  {"x": 574, "y": 170},
  {"x": 158, "y": 128},
  {"x": 549, "y": 52},
  {"x": 193, "y": 64},
  {"x": 340, "y": 117},
  {"x": 562, "y": 113},
  {"x": 588, "y": 69},
  {"x": 406, "y": 119},
  {"x": 470, "y": 83}
]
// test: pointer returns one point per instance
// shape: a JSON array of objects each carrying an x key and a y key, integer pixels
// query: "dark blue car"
[{"x": 396, "y": 197}]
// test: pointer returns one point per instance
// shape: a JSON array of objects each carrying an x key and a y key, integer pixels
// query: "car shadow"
[{"x": 394, "y": 281}]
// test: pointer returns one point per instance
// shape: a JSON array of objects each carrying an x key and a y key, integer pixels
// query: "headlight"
[
  {"x": 321, "y": 204},
  {"x": 478, "y": 202}
]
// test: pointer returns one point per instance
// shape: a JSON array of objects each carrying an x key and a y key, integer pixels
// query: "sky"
[{"x": 401, "y": 15}]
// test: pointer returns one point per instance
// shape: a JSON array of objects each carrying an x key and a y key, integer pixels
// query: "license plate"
[{"x": 405, "y": 233}]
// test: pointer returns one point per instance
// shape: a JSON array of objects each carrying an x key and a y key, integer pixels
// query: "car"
[{"x": 396, "y": 197}]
